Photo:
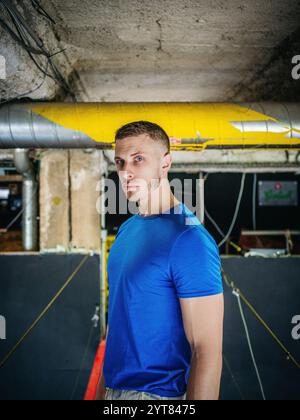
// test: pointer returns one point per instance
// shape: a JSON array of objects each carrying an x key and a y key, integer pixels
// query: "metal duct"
[
  {"x": 29, "y": 197},
  {"x": 6, "y": 155},
  {"x": 191, "y": 126}
]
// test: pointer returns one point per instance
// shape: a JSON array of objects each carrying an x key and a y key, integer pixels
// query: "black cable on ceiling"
[
  {"x": 17, "y": 39},
  {"x": 19, "y": 18},
  {"x": 24, "y": 36},
  {"x": 42, "y": 11},
  {"x": 25, "y": 41}
]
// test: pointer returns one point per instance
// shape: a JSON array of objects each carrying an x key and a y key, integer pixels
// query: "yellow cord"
[
  {"x": 33, "y": 325},
  {"x": 265, "y": 325}
]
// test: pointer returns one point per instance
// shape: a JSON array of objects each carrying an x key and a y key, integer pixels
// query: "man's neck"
[{"x": 160, "y": 201}]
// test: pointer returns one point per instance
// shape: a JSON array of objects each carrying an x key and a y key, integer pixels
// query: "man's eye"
[{"x": 140, "y": 158}]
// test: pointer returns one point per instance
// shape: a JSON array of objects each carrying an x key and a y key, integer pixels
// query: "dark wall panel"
[
  {"x": 273, "y": 288},
  {"x": 47, "y": 364}
]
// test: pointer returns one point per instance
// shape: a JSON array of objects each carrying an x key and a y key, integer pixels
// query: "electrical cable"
[
  {"x": 23, "y": 39},
  {"x": 42, "y": 11},
  {"x": 22, "y": 211},
  {"x": 44, "y": 312},
  {"x": 240, "y": 296},
  {"x": 85, "y": 353},
  {"x": 249, "y": 344},
  {"x": 232, "y": 285},
  {"x": 25, "y": 36},
  {"x": 254, "y": 193},
  {"x": 233, "y": 378},
  {"x": 16, "y": 38},
  {"x": 220, "y": 231},
  {"x": 214, "y": 223},
  {"x": 236, "y": 211},
  {"x": 19, "y": 18}
]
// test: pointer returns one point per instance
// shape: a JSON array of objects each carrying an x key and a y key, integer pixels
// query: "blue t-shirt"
[{"x": 154, "y": 261}]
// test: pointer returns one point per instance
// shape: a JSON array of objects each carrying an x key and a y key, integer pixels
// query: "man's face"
[{"x": 141, "y": 162}]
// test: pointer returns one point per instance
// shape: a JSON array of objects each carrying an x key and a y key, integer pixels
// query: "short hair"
[{"x": 136, "y": 128}]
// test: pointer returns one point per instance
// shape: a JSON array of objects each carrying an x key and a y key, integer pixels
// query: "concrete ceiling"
[
  {"x": 198, "y": 50},
  {"x": 165, "y": 50}
]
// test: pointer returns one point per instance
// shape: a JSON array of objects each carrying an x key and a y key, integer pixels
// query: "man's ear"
[{"x": 167, "y": 162}]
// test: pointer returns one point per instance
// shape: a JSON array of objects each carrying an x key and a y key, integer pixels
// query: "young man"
[{"x": 165, "y": 311}]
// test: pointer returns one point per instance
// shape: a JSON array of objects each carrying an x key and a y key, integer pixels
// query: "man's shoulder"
[
  {"x": 191, "y": 235},
  {"x": 125, "y": 224}
]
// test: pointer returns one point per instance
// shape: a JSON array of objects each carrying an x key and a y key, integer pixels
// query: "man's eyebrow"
[{"x": 134, "y": 154}]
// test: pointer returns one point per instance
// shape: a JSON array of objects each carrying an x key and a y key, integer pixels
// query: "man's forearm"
[{"x": 205, "y": 377}]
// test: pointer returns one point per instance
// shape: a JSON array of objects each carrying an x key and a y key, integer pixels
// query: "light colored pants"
[{"x": 116, "y": 394}]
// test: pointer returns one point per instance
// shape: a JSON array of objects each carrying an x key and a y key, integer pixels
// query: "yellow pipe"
[{"x": 191, "y": 126}]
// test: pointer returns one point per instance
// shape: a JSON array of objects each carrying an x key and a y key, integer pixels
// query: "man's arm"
[
  {"x": 203, "y": 325},
  {"x": 101, "y": 389}
]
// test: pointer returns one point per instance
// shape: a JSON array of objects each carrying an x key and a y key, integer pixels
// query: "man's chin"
[{"x": 132, "y": 196}]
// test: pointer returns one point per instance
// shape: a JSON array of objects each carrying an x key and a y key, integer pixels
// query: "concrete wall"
[
  {"x": 68, "y": 197},
  {"x": 54, "y": 201},
  {"x": 85, "y": 175}
]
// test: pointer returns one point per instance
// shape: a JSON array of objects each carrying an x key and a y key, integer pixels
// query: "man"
[{"x": 165, "y": 314}]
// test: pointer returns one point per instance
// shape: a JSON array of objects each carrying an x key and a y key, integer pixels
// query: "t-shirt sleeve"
[{"x": 195, "y": 264}]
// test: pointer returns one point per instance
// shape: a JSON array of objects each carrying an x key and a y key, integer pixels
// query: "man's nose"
[{"x": 126, "y": 175}]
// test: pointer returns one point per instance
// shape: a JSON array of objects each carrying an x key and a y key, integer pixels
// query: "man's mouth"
[{"x": 131, "y": 187}]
